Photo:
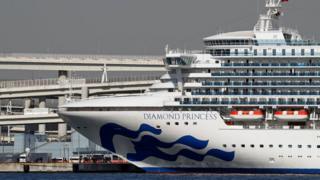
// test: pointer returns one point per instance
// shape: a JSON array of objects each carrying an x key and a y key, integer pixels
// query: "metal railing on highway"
[{"x": 71, "y": 82}]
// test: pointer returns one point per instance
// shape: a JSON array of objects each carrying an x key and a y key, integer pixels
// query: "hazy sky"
[{"x": 133, "y": 26}]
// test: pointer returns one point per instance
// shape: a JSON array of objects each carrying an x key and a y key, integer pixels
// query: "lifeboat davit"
[
  {"x": 299, "y": 115},
  {"x": 255, "y": 115}
]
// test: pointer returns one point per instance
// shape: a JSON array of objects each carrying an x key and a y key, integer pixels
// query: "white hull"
[{"x": 213, "y": 134}]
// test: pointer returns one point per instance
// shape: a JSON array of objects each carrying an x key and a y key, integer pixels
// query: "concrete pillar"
[
  {"x": 27, "y": 103},
  {"x": 84, "y": 92},
  {"x": 62, "y": 128},
  {"x": 42, "y": 127},
  {"x": 42, "y": 102}
]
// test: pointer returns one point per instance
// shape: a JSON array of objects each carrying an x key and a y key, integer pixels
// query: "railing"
[
  {"x": 123, "y": 79},
  {"x": 256, "y": 94},
  {"x": 271, "y": 64},
  {"x": 248, "y": 103},
  {"x": 71, "y": 82},
  {"x": 297, "y": 74},
  {"x": 264, "y": 84},
  {"x": 138, "y": 59}
]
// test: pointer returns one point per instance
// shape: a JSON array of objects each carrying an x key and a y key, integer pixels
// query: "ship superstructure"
[{"x": 249, "y": 102}]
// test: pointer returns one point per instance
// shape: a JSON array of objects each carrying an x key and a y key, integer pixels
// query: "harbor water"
[{"x": 98, "y": 176}]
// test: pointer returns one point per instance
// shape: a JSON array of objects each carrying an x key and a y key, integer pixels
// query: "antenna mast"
[{"x": 270, "y": 21}]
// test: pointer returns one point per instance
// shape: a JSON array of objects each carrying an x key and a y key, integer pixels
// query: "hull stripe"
[{"x": 233, "y": 170}]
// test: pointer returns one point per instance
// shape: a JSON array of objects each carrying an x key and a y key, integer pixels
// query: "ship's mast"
[{"x": 270, "y": 21}]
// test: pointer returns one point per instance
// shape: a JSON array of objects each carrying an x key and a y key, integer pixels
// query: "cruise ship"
[{"x": 248, "y": 103}]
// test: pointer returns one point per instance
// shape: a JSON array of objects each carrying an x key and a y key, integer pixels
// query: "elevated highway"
[
  {"x": 54, "y": 87},
  {"x": 65, "y": 62}
]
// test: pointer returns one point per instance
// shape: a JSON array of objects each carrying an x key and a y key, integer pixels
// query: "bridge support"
[
  {"x": 62, "y": 127},
  {"x": 84, "y": 92},
  {"x": 42, "y": 127},
  {"x": 27, "y": 103}
]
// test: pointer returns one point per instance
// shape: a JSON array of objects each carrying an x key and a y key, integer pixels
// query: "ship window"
[
  {"x": 274, "y": 52},
  {"x": 318, "y": 146},
  {"x": 293, "y": 52},
  {"x": 290, "y": 146},
  {"x": 255, "y": 52},
  {"x": 252, "y": 145},
  {"x": 194, "y": 123},
  {"x": 158, "y": 126},
  {"x": 280, "y": 145},
  {"x": 308, "y": 156},
  {"x": 299, "y": 146},
  {"x": 225, "y": 146},
  {"x": 312, "y": 52},
  {"x": 302, "y": 52},
  {"x": 236, "y": 52},
  {"x": 309, "y": 146},
  {"x": 270, "y": 146},
  {"x": 168, "y": 123},
  {"x": 246, "y": 52},
  {"x": 233, "y": 145},
  {"x": 243, "y": 146},
  {"x": 283, "y": 52},
  {"x": 186, "y": 123},
  {"x": 176, "y": 123},
  {"x": 264, "y": 52},
  {"x": 299, "y": 156},
  {"x": 261, "y": 145}
]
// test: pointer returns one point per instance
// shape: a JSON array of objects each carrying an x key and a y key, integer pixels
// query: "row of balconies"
[
  {"x": 249, "y": 102},
  {"x": 271, "y": 64},
  {"x": 207, "y": 83},
  {"x": 295, "y": 74},
  {"x": 256, "y": 93}
]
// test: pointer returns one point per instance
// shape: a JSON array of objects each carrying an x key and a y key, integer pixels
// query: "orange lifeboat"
[
  {"x": 298, "y": 115},
  {"x": 255, "y": 115}
]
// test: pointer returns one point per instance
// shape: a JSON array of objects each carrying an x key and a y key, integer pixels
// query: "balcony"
[
  {"x": 263, "y": 74},
  {"x": 271, "y": 65},
  {"x": 263, "y": 84}
]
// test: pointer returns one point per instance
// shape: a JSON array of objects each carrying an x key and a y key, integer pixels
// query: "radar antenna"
[{"x": 270, "y": 21}]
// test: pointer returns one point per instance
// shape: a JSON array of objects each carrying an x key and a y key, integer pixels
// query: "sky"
[
  {"x": 134, "y": 27},
  {"x": 141, "y": 27}
]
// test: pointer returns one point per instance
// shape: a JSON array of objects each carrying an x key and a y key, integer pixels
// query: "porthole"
[
  {"x": 225, "y": 146},
  {"x": 186, "y": 123},
  {"x": 176, "y": 123}
]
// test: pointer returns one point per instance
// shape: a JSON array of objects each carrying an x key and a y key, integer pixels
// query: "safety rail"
[
  {"x": 71, "y": 82},
  {"x": 263, "y": 84},
  {"x": 248, "y": 103},
  {"x": 270, "y": 64},
  {"x": 297, "y": 74},
  {"x": 121, "y": 59},
  {"x": 256, "y": 94}
]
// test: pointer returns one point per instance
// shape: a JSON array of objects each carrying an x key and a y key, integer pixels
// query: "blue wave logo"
[{"x": 148, "y": 146}]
